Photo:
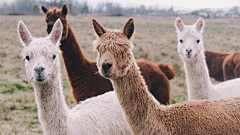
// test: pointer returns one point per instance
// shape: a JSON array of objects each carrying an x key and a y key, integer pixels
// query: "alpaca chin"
[
  {"x": 106, "y": 74},
  {"x": 40, "y": 81}
]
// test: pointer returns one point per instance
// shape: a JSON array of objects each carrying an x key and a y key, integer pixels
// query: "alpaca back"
[
  {"x": 101, "y": 115},
  {"x": 230, "y": 88},
  {"x": 219, "y": 116}
]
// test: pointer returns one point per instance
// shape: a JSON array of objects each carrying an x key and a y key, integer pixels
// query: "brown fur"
[
  {"x": 223, "y": 66},
  {"x": 82, "y": 75},
  {"x": 214, "y": 62},
  {"x": 231, "y": 66},
  {"x": 165, "y": 68},
  {"x": 145, "y": 115}
]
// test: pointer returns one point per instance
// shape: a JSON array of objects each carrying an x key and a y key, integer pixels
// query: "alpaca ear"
[
  {"x": 44, "y": 9},
  {"x": 200, "y": 24},
  {"x": 179, "y": 24},
  {"x": 98, "y": 28},
  {"x": 56, "y": 33},
  {"x": 65, "y": 9},
  {"x": 23, "y": 34},
  {"x": 128, "y": 28}
]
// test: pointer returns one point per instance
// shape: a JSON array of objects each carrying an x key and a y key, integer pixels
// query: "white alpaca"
[
  {"x": 191, "y": 51},
  {"x": 101, "y": 115}
]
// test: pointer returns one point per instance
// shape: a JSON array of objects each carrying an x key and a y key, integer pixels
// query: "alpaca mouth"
[
  {"x": 188, "y": 55},
  {"x": 107, "y": 74},
  {"x": 40, "y": 79}
]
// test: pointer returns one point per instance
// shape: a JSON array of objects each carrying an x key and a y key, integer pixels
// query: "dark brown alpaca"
[
  {"x": 214, "y": 62},
  {"x": 223, "y": 66},
  {"x": 81, "y": 72}
]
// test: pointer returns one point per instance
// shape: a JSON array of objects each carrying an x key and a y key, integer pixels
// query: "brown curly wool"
[{"x": 145, "y": 115}]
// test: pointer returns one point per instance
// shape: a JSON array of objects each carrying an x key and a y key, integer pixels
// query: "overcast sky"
[{"x": 193, "y": 4}]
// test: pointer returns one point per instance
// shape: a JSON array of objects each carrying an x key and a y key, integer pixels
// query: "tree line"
[{"x": 79, "y": 7}]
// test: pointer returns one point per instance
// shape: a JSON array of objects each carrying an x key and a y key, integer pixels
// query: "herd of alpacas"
[{"x": 128, "y": 96}]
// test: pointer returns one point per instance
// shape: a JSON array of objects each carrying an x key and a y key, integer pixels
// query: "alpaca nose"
[
  {"x": 39, "y": 69},
  {"x": 49, "y": 28},
  {"x": 189, "y": 51},
  {"x": 106, "y": 66}
]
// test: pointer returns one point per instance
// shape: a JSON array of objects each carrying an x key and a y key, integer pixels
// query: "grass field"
[{"x": 155, "y": 40}]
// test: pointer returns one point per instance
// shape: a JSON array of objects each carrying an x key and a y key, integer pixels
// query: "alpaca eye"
[
  {"x": 181, "y": 40},
  {"x": 54, "y": 56},
  {"x": 98, "y": 50},
  {"x": 27, "y": 57},
  {"x": 198, "y": 41},
  {"x": 46, "y": 21}
]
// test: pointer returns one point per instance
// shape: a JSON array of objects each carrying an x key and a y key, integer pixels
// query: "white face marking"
[
  {"x": 189, "y": 39},
  {"x": 40, "y": 62},
  {"x": 189, "y": 44},
  {"x": 40, "y": 67}
]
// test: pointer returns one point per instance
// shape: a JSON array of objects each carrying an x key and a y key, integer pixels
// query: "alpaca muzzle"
[
  {"x": 188, "y": 53},
  {"x": 38, "y": 74},
  {"x": 106, "y": 69}
]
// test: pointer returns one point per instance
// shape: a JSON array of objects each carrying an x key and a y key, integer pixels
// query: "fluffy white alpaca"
[
  {"x": 191, "y": 51},
  {"x": 101, "y": 115}
]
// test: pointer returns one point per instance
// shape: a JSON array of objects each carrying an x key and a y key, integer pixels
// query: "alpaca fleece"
[
  {"x": 214, "y": 62},
  {"x": 101, "y": 115},
  {"x": 223, "y": 66},
  {"x": 197, "y": 77},
  {"x": 81, "y": 71},
  {"x": 146, "y": 116}
]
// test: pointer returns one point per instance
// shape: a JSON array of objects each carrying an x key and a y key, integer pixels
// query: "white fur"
[
  {"x": 101, "y": 115},
  {"x": 197, "y": 76}
]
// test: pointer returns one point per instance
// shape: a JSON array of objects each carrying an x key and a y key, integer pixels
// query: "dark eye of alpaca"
[
  {"x": 27, "y": 57},
  {"x": 98, "y": 50},
  {"x": 46, "y": 21},
  {"x": 198, "y": 41},
  {"x": 181, "y": 41},
  {"x": 54, "y": 56}
]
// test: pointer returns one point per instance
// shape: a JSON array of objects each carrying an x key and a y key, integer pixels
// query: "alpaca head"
[
  {"x": 41, "y": 54},
  {"x": 51, "y": 17},
  {"x": 190, "y": 41},
  {"x": 114, "y": 49}
]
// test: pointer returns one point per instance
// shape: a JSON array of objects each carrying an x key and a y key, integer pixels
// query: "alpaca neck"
[
  {"x": 52, "y": 108},
  {"x": 75, "y": 62},
  {"x": 134, "y": 97},
  {"x": 198, "y": 81}
]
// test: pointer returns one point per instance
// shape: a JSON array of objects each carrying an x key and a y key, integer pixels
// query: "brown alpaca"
[
  {"x": 223, "y": 66},
  {"x": 214, "y": 62},
  {"x": 231, "y": 66},
  {"x": 81, "y": 72},
  {"x": 144, "y": 114}
]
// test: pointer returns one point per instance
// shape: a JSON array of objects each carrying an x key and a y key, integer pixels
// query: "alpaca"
[
  {"x": 214, "y": 62},
  {"x": 231, "y": 66},
  {"x": 144, "y": 114},
  {"x": 223, "y": 66},
  {"x": 81, "y": 71},
  {"x": 101, "y": 115},
  {"x": 191, "y": 51}
]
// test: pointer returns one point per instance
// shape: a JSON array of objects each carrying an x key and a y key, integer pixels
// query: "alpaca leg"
[{"x": 228, "y": 69}]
